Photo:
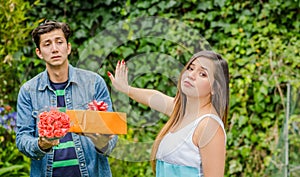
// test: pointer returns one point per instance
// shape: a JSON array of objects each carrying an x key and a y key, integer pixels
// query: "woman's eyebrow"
[
  {"x": 199, "y": 63},
  {"x": 204, "y": 68}
]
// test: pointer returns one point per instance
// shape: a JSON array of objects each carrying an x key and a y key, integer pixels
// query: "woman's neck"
[{"x": 195, "y": 108}]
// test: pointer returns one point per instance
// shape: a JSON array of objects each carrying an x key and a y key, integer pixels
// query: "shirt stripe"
[
  {"x": 62, "y": 109},
  {"x": 60, "y": 92},
  {"x": 64, "y": 163},
  {"x": 64, "y": 145}
]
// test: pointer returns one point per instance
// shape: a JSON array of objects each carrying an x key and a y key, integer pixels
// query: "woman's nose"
[{"x": 192, "y": 74}]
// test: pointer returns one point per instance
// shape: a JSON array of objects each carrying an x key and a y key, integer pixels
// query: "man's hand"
[
  {"x": 99, "y": 140},
  {"x": 46, "y": 144}
]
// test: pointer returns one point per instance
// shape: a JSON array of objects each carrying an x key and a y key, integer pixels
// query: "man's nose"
[{"x": 54, "y": 47}]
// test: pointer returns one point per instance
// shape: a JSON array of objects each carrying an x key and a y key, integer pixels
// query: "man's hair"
[{"x": 48, "y": 26}]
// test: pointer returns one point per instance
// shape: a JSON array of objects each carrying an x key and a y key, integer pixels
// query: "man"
[{"x": 61, "y": 85}]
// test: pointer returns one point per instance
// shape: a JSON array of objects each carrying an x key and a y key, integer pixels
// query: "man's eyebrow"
[{"x": 46, "y": 40}]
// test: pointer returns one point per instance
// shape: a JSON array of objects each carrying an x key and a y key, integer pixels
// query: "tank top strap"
[{"x": 213, "y": 116}]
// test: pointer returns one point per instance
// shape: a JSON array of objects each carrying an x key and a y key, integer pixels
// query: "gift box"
[{"x": 89, "y": 121}]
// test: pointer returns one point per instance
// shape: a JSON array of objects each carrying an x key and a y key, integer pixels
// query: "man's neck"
[{"x": 58, "y": 74}]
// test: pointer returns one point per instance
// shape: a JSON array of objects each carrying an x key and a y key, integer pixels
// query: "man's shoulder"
[
  {"x": 33, "y": 81},
  {"x": 85, "y": 72}
]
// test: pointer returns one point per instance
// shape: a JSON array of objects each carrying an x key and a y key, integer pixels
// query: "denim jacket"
[{"x": 36, "y": 94}]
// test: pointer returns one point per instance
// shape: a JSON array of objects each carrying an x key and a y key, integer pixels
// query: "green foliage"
[
  {"x": 14, "y": 30},
  {"x": 12, "y": 162},
  {"x": 294, "y": 137},
  {"x": 259, "y": 39}
]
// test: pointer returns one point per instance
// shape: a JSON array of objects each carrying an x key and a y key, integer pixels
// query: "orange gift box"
[{"x": 88, "y": 121}]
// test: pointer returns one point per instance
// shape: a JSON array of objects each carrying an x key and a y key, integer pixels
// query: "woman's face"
[{"x": 198, "y": 78}]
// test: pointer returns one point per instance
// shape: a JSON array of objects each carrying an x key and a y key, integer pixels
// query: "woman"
[{"x": 193, "y": 141}]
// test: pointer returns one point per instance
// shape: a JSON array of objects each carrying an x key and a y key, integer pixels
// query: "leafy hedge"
[{"x": 259, "y": 39}]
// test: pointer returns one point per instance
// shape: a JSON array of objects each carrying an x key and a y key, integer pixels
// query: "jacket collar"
[{"x": 44, "y": 78}]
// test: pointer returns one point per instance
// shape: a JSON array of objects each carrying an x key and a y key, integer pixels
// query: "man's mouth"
[{"x": 55, "y": 57}]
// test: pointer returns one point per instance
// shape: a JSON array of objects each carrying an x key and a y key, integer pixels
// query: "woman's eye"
[
  {"x": 203, "y": 74},
  {"x": 190, "y": 68}
]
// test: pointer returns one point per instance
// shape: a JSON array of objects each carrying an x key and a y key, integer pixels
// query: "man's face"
[{"x": 54, "y": 48}]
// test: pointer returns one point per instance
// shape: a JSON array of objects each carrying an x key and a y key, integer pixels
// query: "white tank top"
[{"x": 178, "y": 147}]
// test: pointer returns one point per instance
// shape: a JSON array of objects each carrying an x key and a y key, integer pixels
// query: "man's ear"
[
  {"x": 69, "y": 48},
  {"x": 38, "y": 53}
]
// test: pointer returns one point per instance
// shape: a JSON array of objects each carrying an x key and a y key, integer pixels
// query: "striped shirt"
[{"x": 65, "y": 162}]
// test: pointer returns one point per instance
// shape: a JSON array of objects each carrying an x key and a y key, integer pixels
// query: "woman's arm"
[
  {"x": 152, "y": 98},
  {"x": 211, "y": 140}
]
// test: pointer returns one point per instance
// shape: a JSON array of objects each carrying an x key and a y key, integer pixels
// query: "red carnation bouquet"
[
  {"x": 53, "y": 124},
  {"x": 98, "y": 106}
]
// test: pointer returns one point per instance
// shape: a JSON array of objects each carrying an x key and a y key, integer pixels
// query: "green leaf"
[{"x": 4, "y": 170}]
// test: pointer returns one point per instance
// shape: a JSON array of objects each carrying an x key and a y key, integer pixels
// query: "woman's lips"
[{"x": 187, "y": 83}]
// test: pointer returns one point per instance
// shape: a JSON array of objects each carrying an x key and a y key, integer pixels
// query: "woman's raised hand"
[{"x": 120, "y": 80}]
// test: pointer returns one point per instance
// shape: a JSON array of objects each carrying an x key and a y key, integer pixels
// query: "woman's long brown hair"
[{"x": 220, "y": 98}]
